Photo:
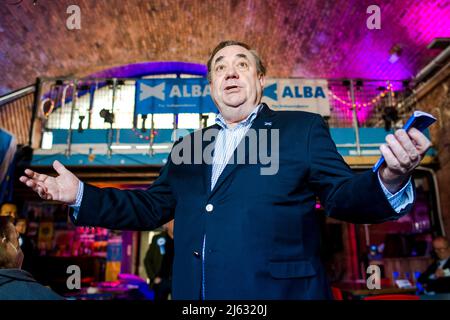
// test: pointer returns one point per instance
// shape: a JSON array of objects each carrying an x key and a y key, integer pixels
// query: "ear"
[{"x": 262, "y": 80}]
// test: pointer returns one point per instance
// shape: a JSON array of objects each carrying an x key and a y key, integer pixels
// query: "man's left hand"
[{"x": 402, "y": 153}]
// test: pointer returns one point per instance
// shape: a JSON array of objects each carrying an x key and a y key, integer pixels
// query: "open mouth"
[{"x": 231, "y": 88}]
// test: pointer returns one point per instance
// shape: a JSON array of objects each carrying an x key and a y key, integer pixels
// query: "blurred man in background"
[
  {"x": 17, "y": 284},
  {"x": 158, "y": 262},
  {"x": 26, "y": 244},
  {"x": 437, "y": 277}
]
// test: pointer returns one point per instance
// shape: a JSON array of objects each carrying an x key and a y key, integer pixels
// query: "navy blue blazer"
[{"x": 262, "y": 231}]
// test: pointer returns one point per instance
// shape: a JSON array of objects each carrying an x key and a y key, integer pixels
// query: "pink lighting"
[
  {"x": 396, "y": 51},
  {"x": 427, "y": 20}
]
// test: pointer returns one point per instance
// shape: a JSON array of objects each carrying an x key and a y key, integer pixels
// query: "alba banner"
[
  {"x": 297, "y": 94},
  {"x": 194, "y": 96}
]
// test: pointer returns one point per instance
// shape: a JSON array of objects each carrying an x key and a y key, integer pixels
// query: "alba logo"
[
  {"x": 147, "y": 91},
  {"x": 294, "y": 91},
  {"x": 303, "y": 92},
  {"x": 176, "y": 91},
  {"x": 271, "y": 91}
]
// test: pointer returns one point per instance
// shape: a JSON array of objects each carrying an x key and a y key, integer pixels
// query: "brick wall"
[
  {"x": 308, "y": 38},
  {"x": 434, "y": 97}
]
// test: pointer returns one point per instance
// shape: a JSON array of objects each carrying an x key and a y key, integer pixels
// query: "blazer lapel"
[{"x": 263, "y": 120}]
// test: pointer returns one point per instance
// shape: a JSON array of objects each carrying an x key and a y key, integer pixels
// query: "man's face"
[
  {"x": 442, "y": 249},
  {"x": 236, "y": 87},
  {"x": 21, "y": 226}
]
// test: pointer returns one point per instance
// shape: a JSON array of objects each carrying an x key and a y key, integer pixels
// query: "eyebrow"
[
  {"x": 218, "y": 59},
  {"x": 240, "y": 55}
]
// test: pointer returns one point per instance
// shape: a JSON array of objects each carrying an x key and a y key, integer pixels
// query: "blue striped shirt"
[{"x": 227, "y": 141}]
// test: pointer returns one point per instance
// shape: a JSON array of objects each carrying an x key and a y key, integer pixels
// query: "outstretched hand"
[{"x": 63, "y": 187}]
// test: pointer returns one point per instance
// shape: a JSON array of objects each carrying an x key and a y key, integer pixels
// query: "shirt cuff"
[
  {"x": 76, "y": 206},
  {"x": 402, "y": 198}
]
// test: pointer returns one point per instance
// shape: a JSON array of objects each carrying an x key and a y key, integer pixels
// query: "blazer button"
[
  {"x": 209, "y": 207},
  {"x": 196, "y": 254}
]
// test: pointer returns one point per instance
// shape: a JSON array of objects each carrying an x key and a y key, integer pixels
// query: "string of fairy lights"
[
  {"x": 381, "y": 95},
  {"x": 137, "y": 132}
]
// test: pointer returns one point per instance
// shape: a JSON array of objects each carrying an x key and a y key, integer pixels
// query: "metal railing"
[
  {"x": 80, "y": 104},
  {"x": 16, "y": 115}
]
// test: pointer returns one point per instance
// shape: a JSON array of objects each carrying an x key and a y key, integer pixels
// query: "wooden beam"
[{"x": 371, "y": 160}]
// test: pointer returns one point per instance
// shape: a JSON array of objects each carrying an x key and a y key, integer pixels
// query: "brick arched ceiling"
[{"x": 322, "y": 38}]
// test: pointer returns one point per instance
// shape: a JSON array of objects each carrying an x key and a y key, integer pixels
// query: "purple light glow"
[{"x": 141, "y": 69}]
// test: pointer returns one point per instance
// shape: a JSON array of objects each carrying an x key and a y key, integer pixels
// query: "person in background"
[
  {"x": 8, "y": 210},
  {"x": 437, "y": 276},
  {"x": 17, "y": 284},
  {"x": 26, "y": 244},
  {"x": 158, "y": 262}
]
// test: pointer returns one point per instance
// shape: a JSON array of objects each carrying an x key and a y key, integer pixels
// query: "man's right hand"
[
  {"x": 439, "y": 273},
  {"x": 62, "y": 188}
]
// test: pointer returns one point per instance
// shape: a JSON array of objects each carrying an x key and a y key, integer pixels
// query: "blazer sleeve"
[
  {"x": 128, "y": 209},
  {"x": 356, "y": 198},
  {"x": 424, "y": 276}
]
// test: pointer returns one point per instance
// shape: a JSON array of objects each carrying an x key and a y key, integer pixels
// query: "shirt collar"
[{"x": 247, "y": 121}]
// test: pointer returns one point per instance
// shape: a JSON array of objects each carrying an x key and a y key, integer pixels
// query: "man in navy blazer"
[{"x": 243, "y": 192}]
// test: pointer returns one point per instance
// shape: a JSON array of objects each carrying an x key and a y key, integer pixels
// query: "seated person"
[
  {"x": 16, "y": 284},
  {"x": 437, "y": 277}
]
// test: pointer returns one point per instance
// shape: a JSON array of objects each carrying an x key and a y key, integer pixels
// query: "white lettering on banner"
[
  {"x": 175, "y": 92},
  {"x": 196, "y": 90},
  {"x": 207, "y": 91},
  {"x": 187, "y": 91}
]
